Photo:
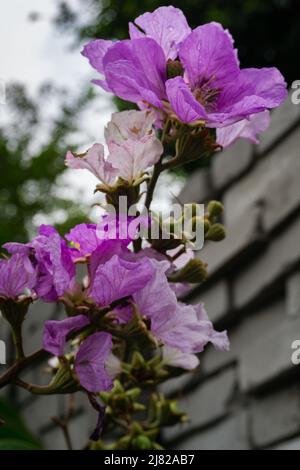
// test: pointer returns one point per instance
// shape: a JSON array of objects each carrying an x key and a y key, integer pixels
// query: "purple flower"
[
  {"x": 16, "y": 275},
  {"x": 156, "y": 299},
  {"x": 208, "y": 86},
  {"x": 90, "y": 362},
  {"x": 183, "y": 328},
  {"x": 117, "y": 278},
  {"x": 246, "y": 129},
  {"x": 51, "y": 258},
  {"x": 56, "y": 332},
  {"x": 214, "y": 89},
  {"x": 87, "y": 238}
]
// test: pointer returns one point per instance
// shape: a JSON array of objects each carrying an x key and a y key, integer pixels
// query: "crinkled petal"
[
  {"x": 133, "y": 125},
  {"x": 135, "y": 70},
  {"x": 16, "y": 275},
  {"x": 94, "y": 51},
  {"x": 245, "y": 129},
  {"x": 182, "y": 101},
  {"x": 132, "y": 158},
  {"x": 218, "y": 339},
  {"x": 55, "y": 332},
  {"x": 119, "y": 278},
  {"x": 208, "y": 55},
  {"x": 156, "y": 299},
  {"x": 94, "y": 161},
  {"x": 166, "y": 25},
  {"x": 176, "y": 358},
  {"x": 84, "y": 238},
  {"x": 90, "y": 362},
  {"x": 254, "y": 91}
]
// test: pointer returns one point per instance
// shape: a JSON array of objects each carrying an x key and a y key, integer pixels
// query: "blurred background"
[{"x": 248, "y": 398}]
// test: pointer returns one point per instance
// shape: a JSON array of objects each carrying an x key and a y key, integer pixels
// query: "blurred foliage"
[
  {"x": 33, "y": 143},
  {"x": 265, "y": 33},
  {"x": 14, "y": 434}
]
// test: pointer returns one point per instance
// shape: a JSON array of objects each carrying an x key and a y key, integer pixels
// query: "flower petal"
[
  {"x": 184, "y": 104},
  {"x": 246, "y": 129},
  {"x": 94, "y": 51},
  {"x": 55, "y": 332},
  {"x": 133, "y": 125},
  {"x": 167, "y": 25},
  {"x": 135, "y": 70},
  {"x": 94, "y": 161},
  {"x": 90, "y": 362},
  {"x": 132, "y": 158},
  {"x": 119, "y": 278},
  {"x": 16, "y": 275},
  {"x": 176, "y": 358},
  {"x": 208, "y": 55}
]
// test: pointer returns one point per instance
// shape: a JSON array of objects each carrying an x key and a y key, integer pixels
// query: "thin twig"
[{"x": 63, "y": 423}]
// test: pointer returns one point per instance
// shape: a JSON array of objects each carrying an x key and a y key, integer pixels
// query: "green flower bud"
[
  {"x": 194, "y": 271},
  {"x": 216, "y": 233},
  {"x": 215, "y": 209}
]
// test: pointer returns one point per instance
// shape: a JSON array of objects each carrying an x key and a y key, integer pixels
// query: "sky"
[{"x": 34, "y": 52}]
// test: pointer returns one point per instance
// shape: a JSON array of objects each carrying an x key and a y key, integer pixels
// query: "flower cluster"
[
  {"x": 119, "y": 285},
  {"x": 193, "y": 75},
  {"x": 125, "y": 322}
]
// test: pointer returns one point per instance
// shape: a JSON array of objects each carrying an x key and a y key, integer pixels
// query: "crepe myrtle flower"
[
  {"x": 133, "y": 148},
  {"x": 182, "y": 327},
  {"x": 84, "y": 239},
  {"x": 91, "y": 356},
  {"x": 17, "y": 277},
  {"x": 194, "y": 75},
  {"x": 51, "y": 258}
]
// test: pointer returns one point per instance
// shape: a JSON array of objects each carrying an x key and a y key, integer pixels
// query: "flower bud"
[
  {"x": 193, "y": 272},
  {"x": 215, "y": 209},
  {"x": 216, "y": 233}
]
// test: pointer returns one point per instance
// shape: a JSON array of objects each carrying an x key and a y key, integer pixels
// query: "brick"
[
  {"x": 278, "y": 258},
  {"x": 274, "y": 182},
  {"x": 197, "y": 189},
  {"x": 231, "y": 163},
  {"x": 247, "y": 332},
  {"x": 293, "y": 294},
  {"x": 275, "y": 417},
  {"x": 206, "y": 403},
  {"x": 216, "y": 300},
  {"x": 282, "y": 119},
  {"x": 243, "y": 235},
  {"x": 269, "y": 356},
  {"x": 229, "y": 435}
]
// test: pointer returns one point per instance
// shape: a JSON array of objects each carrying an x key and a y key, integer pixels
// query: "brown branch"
[{"x": 20, "y": 365}]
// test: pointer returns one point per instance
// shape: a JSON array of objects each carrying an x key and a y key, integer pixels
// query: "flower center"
[{"x": 207, "y": 95}]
